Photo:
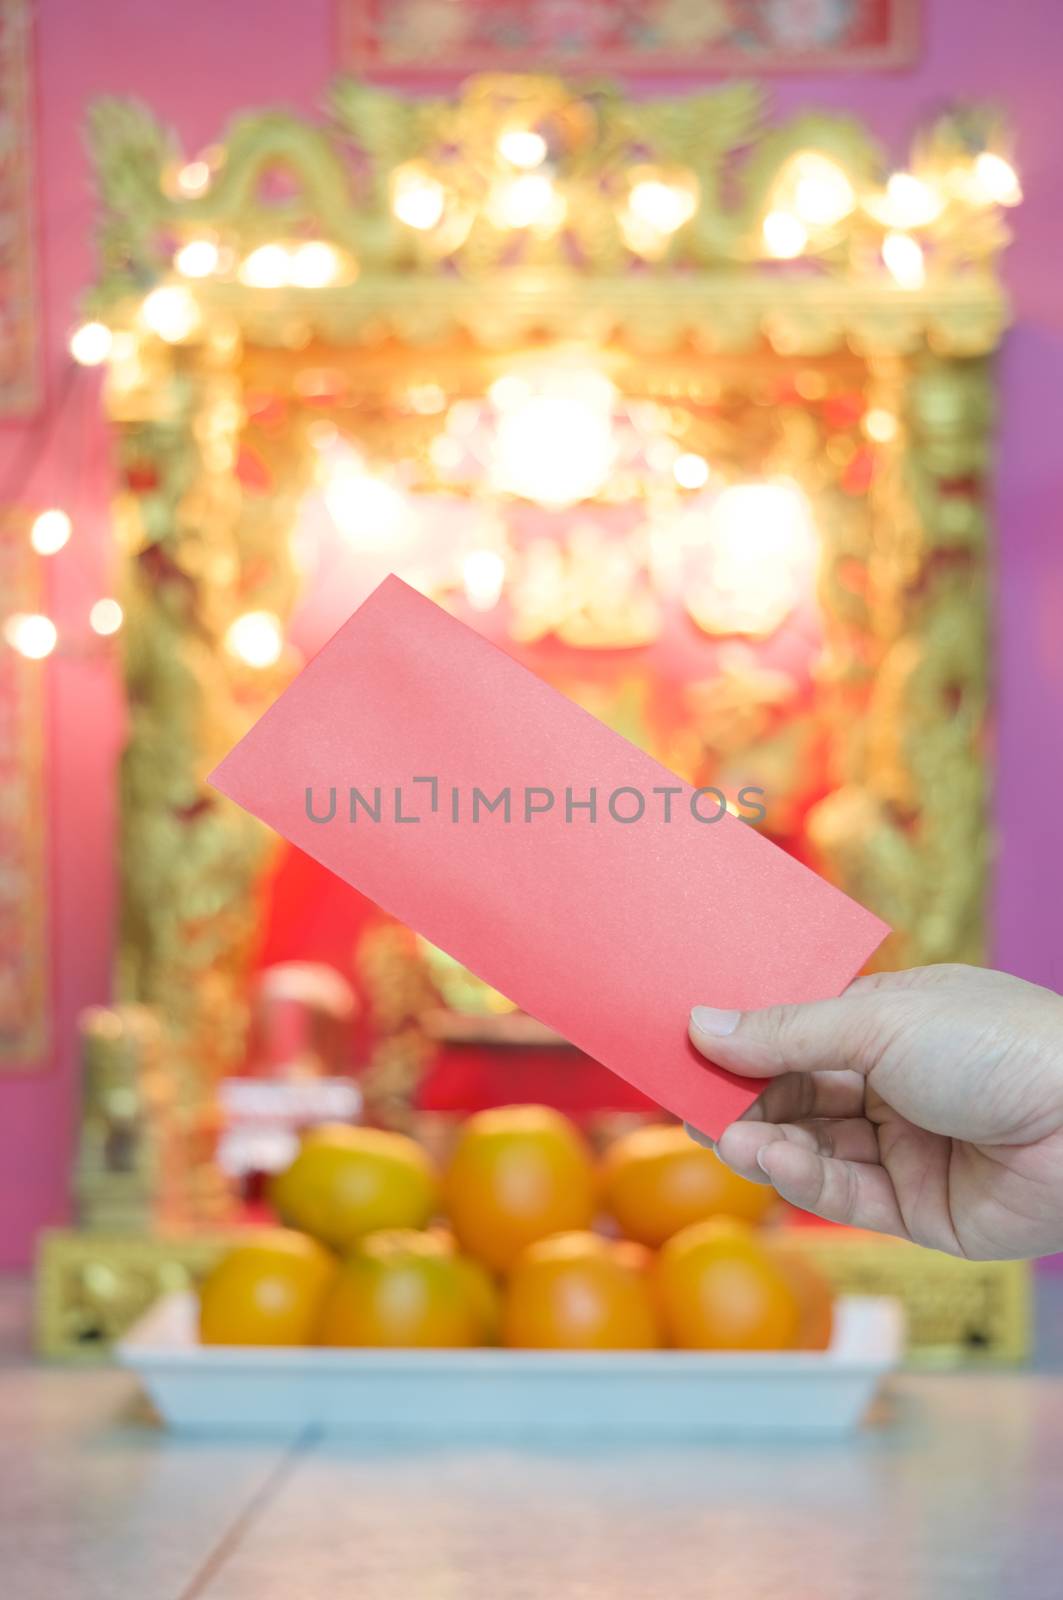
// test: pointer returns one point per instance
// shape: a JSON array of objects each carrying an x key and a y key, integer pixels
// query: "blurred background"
[{"x": 703, "y": 356}]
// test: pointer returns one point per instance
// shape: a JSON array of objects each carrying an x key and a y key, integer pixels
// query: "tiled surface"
[
  {"x": 957, "y": 1495},
  {"x": 95, "y": 1502}
]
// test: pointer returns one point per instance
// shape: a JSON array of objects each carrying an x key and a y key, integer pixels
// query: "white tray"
[{"x": 513, "y": 1394}]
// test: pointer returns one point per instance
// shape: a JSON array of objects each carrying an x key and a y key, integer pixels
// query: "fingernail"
[
  {"x": 716, "y": 1023},
  {"x": 699, "y": 1137},
  {"x": 761, "y": 1153}
]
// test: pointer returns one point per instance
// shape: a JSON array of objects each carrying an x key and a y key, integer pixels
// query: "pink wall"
[{"x": 195, "y": 64}]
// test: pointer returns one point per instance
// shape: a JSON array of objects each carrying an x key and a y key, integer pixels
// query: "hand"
[{"x": 927, "y": 1104}]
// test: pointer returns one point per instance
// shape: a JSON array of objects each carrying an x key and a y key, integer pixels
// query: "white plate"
[{"x": 513, "y": 1394}]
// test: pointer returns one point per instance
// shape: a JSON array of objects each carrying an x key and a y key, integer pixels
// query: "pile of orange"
[{"x": 378, "y": 1248}]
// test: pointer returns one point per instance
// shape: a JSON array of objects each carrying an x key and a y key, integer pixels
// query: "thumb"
[{"x": 847, "y": 1034}]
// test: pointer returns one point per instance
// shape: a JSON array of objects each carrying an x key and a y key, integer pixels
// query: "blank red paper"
[{"x": 453, "y": 787}]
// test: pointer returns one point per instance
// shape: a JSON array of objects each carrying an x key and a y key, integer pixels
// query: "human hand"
[{"x": 926, "y": 1103}]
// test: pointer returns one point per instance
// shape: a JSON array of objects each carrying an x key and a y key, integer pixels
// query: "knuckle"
[
  {"x": 804, "y": 1090},
  {"x": 822, "y": 1200},
  {"x": 774, "y": 1032},
  {"x": 874, "y": 1027}
]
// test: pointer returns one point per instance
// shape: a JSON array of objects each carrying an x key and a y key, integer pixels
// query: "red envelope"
[{"x": 608, "y": 926}]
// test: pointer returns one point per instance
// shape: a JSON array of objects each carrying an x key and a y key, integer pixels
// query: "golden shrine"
[{"x": 382, "y": 303}]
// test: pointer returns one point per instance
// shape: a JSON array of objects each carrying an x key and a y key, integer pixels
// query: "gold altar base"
[
  {"x": 957, "y": 1311},
  {"x": 91, "y": 1287}
]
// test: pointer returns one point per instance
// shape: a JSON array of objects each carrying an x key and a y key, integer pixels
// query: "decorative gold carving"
[
  {"x": 198, "y": 553},
  {"x": 393, "y": 973},
  {"x": 90, "y": 1287},
  {"x": 569, "y": 273},
  {"x": 957, "y": 1312},
  {"x": 128, "y": 1162},
  {"x": 19, "y": 301},
  {"x": 24, "y": 999},
  {"x": 905, "y": 829}
]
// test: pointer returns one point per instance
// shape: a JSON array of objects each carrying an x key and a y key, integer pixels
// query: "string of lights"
[{"x": 34, "y": 634}]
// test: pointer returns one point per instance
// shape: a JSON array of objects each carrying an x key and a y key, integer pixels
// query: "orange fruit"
[
  {"x": 656, "y": 1180},
  {"x": 399, "y": 1287},
  {"x": 481, "y": 1285},
  {"x": 267, "y": 1291},
  {"x": 721, "y": 1288},
  {"x": 346, "y": 1182},
  {"x": 815, "y": 1300},
  {"x": 578, "y": 1291},
  {"x": 517, "y": 1174},
  {"x": 633, "y": 1254}
]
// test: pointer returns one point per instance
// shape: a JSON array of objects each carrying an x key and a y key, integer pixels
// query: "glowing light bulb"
[
  {"x": 32, "y": 634},
  {"x": 256, "y": 638},
  {"x": 417, "y": 199},
  {"x": 447, "y": 454},
  {"x": 170, "y": 312},
  {"x": 662, "y": 454},
  {"x": 483, "y": 574},
  {"x": 556, "y": 447},
  {"x": 106, "y": 617},
  {"x": 90, "y": 344},
  {"x": 193, "y": 179},
  {"x": 463, "y": 417},
  {"x": 663, "y": 207},
  {"x": 267, "y": 267},
  {"x": 903, "y": 256},
  {"x": 50, "y": 531},
  {"x": 522, "y": 147},
  {"x": 530, "y": 201},
  {"x": 690, "y": 471},
  {"x": 427, "y": 399},
  {"x": 909, "y": 202},
  {"x": 509, "y": 390},
  {"x": 995, "y": 180},
  {"x": 314, "y": 265},
  {"x": 754, "y": 559},
  {"x": 197, "y": 259},
  {"x": 880, "y": 425},
  {"x": 367, "y": 510},
  {"x": 785, "y": 235},
  {"x": 822, "y": 194}
]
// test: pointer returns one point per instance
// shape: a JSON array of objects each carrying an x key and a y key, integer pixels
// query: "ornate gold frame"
[
  {"x": 903, "y": 597},
  {"x": 905, "y": 610}
]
